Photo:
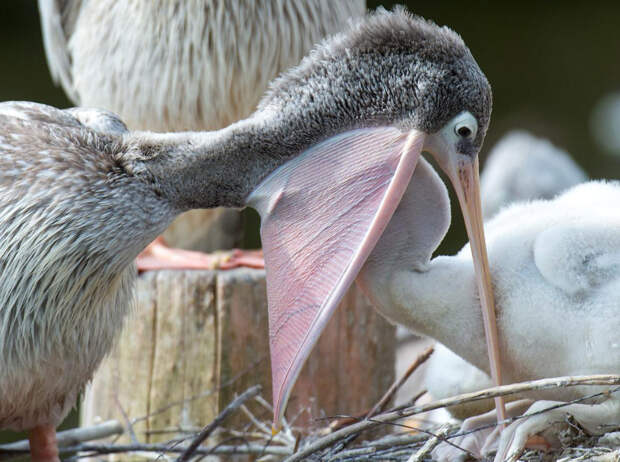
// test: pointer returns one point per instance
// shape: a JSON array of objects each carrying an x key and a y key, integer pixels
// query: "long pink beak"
[{"x": 467, "y": 186}]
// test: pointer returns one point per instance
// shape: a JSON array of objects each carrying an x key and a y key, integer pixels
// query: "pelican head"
[{"x": 347, "y": 126}]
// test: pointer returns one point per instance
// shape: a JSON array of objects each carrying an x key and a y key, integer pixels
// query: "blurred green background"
[{"x": 549, "y": 64}]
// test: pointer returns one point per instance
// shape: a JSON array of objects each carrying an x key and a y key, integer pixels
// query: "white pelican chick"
[
  {"x": 519, "y": 168},
  {"x": 556, "y": 278}
]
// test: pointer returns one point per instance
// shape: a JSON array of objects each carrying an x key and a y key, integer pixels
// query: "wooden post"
[
  {"x": 206, "y": 230},
  {"x": 165, "y": 355},
  {"x": 198, "y": 337}
]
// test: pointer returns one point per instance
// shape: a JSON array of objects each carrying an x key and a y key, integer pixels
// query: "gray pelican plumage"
[
  {"x": 176, "y": 65},
  {"x": 555, "y": 275},
  {"x": 519, "y": 168},
  {"x": 325, "y": 159}
]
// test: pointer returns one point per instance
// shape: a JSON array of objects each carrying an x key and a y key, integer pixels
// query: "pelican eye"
[{"x": 464, "y": 130}]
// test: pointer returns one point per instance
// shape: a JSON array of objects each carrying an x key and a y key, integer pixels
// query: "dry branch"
[
  {"x": 249, "y": 448},
  {"x": 606, "y": 457},
  {"x": 421, "y": 359},
  {"x": 73, "y": 436},
  {"x": 228, "y": 410},
  {"x": 430, "y": 444}
]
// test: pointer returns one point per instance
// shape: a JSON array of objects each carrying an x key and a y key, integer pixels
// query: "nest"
[{"x": 342, "y": 438}]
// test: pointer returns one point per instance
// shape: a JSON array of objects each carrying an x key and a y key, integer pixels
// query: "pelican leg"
[
  {"x": 589, "y": 416},
  {"x": 477, "y": 443},
  {"x": 158, "y": 255},
  {"x": 43, "y": 446}
]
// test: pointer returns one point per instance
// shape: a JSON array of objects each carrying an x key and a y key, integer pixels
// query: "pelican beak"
[
  {"x": 467, "y": 187},
  {"x": 322, "y": 214},
  {"x": 463, "y": 171}
]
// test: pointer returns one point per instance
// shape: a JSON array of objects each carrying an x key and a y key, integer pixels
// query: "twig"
[
  {"x": 352, "y": 453},
  {"x": 421, "y": 359},
  {"x": 338, "y": 422},
  {"x": 399, "y": 440},
  {"x": 430, "y": 444},
  {"x": 73, "y": 436},
  {"x": 260, "y": 400},
  {"x": 257, "y": 423},
  {"x": 503, "y": 390},
  {"x": 229, "y": 409},
  {"x": 249, "y": 448},
  {"x": 128, "y": 424},
  {"x": 285, "y": 436},
  {"x": 173, "y": 430},
  {"x": 412, "y": 401},
  {"x": 428, "y": 433},
  {"x": 607, "y": 456}
]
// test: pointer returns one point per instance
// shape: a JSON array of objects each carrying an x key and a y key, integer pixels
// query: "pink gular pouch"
[{"x": 322, "y": 214}]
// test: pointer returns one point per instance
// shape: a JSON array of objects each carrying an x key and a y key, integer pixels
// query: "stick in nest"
[
  {"x": 229, "y": 409},
  {"x": 338, "y": 423},
  {"x": 421, "y": 359},
  {"x": 430, "y": 444}
]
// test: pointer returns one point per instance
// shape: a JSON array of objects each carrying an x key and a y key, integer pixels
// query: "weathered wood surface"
[
  {"x": 204, "y": 335},
  {"x": 164, "y": 356},
  {"x": 206, "y": 230}
]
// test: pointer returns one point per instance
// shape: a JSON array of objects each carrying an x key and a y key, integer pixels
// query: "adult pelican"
[
  {"x": 325, "y": 159},
  {"x": 176, "y": 65}
]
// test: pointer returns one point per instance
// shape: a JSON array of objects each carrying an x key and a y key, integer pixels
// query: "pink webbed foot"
[
  {"x": 158, "y": 255},
  {"x": 43, "y": 446},
  {"x": 245, "y": 258}
]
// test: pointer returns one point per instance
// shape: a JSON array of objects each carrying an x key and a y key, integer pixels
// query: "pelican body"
[
  {"x": 325, "y": 159},
  {"x": 176, "y": 65}
]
